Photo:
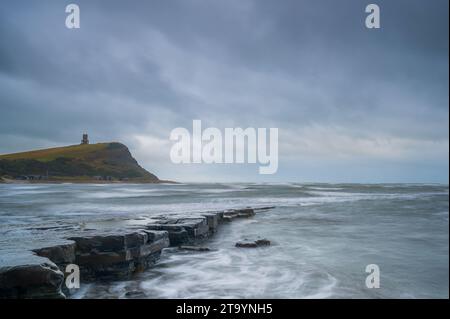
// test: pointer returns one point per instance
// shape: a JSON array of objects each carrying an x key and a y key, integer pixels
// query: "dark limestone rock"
[
  {"x": 262, "y": 242},
  {"x": 30, "y": 276},
  {"x": 212, "y": 220},
  {"x": 229, "y": 215},
  {"x": 196, "y": 227},
  {"x": 164, "y": 227},
  {"x": 136, "y": 239},
  {"x": 246, "y": 243},
  {"x": 118, "y": 256},
  {"x": 94, "y": 258},
  {"x": 177, "y": 234},
  {"x": 61, "y": 254},
  {"x": 219, "y": 217},
  {"x": 246, "y": 212},
  {"x": 194, "y": 248},
  {"x": 178, "y": 237},
  {"x": 103, "y": 243},
  {"x": 186, "y": 230},
  {"x": 146, "y": 255},
  {"x": 154, "y": 235}
]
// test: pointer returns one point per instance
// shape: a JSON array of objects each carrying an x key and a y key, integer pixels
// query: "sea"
[{"x": 324, "y": 237}]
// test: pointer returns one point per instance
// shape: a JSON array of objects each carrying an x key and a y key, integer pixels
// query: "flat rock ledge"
[
  {"x": 105, "y": 256},
  {"x": 30, "y": 276}
]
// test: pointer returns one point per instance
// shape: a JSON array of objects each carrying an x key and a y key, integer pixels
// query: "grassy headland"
[{"x": 107, "y": 162}]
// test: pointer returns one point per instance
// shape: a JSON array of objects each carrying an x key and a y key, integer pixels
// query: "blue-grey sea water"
[{"x": 323, "y": 237}]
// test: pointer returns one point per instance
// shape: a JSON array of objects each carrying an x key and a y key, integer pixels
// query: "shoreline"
[
  {"x": 108, "y": 255},
  {"x": 81, "y": 181}
]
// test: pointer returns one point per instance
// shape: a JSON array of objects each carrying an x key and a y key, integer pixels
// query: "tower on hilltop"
[{"x": 85, "y": 139}]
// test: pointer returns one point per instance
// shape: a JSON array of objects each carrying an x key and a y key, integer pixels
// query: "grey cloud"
[{"x": 142, "y": 68}]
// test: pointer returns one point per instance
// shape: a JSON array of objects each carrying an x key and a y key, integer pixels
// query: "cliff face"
[{"x": 87, "y": 162}]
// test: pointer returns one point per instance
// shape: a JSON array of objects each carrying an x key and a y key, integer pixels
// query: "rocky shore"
[{"x": 106, "y": 255}]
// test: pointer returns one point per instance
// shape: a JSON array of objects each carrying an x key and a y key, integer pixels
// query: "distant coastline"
[
  {"x": 105, "y": 163},
  {"x": 4, "y": 180}
]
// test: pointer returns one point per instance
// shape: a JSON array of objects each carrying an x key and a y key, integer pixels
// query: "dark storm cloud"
[{"x": 137, "y": 69}]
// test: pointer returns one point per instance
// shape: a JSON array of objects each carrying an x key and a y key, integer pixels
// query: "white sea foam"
[{"x": 322, "y": 236}]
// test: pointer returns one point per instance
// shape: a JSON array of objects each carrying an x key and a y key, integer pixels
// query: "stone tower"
[{"x": 85, "y": 139}]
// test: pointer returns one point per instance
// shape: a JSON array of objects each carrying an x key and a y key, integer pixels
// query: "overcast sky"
[{"x": 351, "y": 104}]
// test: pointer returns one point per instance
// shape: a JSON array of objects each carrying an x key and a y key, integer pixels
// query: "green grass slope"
[{"x": 111, "y": 161}]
